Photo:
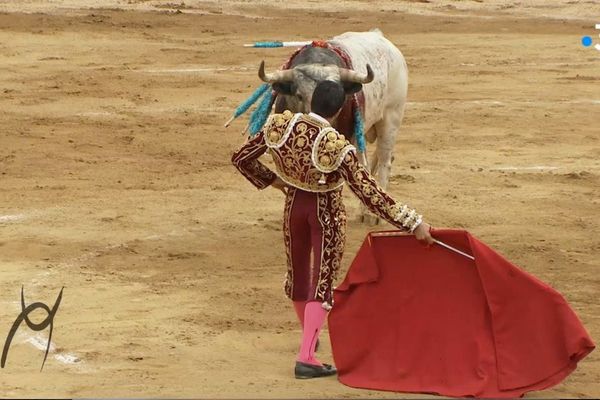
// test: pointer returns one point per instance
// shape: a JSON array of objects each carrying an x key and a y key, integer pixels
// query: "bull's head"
[{"x": 298, "y": 84}]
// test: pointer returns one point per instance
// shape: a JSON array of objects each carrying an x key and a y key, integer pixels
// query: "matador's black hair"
[{"x": 327, "y": 99}]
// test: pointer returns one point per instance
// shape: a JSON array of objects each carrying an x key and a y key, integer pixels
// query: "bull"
[{"x": 385, "y": 88}]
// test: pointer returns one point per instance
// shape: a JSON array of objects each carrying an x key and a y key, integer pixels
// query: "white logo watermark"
[{"x": 587, "y": 41}]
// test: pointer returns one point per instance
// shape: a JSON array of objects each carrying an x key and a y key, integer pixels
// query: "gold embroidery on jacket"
[
  {"x": 245, "y": 160},
  {"x": 291, "y": 142},
  {"x": 332, "y": 216},
  {"x": 375, "y": 198},
  {"x": 287, "y": 238}
]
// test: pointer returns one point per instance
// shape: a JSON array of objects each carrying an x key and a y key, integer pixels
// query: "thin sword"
[
  {"x": 435, "y": 240},
  {"x": 453, "y": 249}
]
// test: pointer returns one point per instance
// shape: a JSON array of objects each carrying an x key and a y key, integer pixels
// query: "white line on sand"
[
  {"x": 533, "y": 168},
  {"x": 194, "y": 70},
  {"x": 41, "y": 343},
  {"x": 11, "y": 218},
  {"x": 497, "y": 103},
  {"x": 92, "y": 114}
]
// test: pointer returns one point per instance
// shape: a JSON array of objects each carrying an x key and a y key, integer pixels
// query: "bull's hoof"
[{"x": 370, "y": 219}]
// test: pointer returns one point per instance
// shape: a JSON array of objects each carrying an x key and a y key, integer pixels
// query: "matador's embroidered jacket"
[{"x": 315, "y": 160}]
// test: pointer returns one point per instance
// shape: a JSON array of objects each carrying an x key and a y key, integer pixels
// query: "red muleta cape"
[{"x": 409, "y": 318}]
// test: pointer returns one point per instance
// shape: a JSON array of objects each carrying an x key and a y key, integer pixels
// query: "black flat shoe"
[{"x": 308, "y": 371}]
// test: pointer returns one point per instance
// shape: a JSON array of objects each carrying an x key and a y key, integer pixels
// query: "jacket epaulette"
[
  {"x": 277, "y": 128},
  {"x": 329, "y": 150},
  {"x": 306, "y": 151}
]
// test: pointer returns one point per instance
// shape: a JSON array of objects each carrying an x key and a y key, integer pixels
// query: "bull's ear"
[
  {"x": 283, "y": 87},
  {"x": 352, "y": 87}
]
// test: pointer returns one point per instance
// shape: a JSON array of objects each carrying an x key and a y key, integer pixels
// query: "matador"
[{"x": 313, "y": 161}]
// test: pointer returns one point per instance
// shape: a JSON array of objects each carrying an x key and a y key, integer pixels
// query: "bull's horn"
[
  {"x": 353, "y": 76},
  {"x": 277, "y": 76}
]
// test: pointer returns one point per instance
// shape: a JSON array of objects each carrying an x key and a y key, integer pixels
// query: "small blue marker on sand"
[{"x": 586, "y": 41}]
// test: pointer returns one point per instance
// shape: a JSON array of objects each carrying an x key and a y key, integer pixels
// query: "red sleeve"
[
  {"x": 246, "y": 161},
  {"x": 365, "y": 187}
]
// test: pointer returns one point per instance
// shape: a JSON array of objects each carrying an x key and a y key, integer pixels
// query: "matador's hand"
[
  {"x": 422, "y": 233},
  {"x": 279, "y": 184}
]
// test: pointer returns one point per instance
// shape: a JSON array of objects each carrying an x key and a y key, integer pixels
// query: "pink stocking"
[
  {"x": 314, "y": 318},
  {"x": 299, "y": 307}
]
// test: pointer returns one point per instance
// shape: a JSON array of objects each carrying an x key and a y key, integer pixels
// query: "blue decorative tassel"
[
  {"x": 261, "y": 113},
  {"x": 242, "y": 108},
  {"x": 359, "y": 130}
]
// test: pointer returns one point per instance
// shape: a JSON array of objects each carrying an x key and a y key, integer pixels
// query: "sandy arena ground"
[{"x": 115, "y": 180}]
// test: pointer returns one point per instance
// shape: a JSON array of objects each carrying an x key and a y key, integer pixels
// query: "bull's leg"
[
  {"x": 365, "y": 215},
  {"x": 387, "y": 131},
  {"x": 385, "y": 147},
  {"x": 373, "y": 164},
  {"x": 371, "y": 136}
]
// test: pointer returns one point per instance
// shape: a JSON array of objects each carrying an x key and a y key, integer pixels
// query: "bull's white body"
[{"x": 385, "y": 97}]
